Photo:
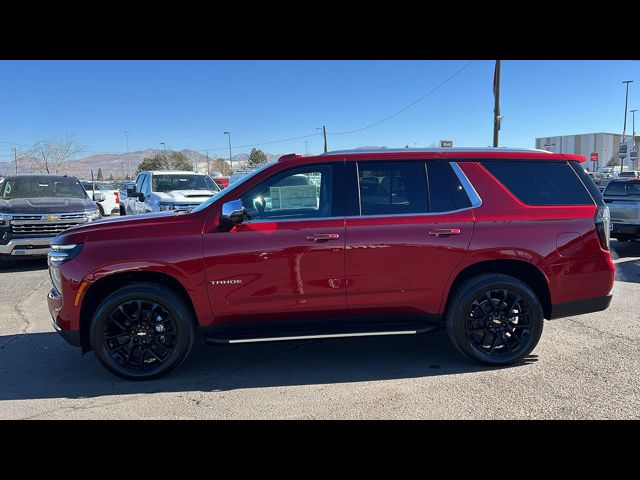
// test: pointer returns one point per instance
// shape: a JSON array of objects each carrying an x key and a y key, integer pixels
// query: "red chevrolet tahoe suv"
[{"x": 488, "y": 242}]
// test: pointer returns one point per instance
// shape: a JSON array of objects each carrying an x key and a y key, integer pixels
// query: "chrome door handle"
[
  {"x": 319, "y": 237},
  {"x": 438, "y": 232}
]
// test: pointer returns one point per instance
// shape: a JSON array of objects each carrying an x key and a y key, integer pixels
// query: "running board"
[{"x": 213, "y": 339}]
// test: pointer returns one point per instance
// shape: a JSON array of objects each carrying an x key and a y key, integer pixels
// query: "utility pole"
[
  {"x": 15, "y": 158},
  {"x": 496, "y": 107},
  {"x": 208, "y": 171},
  {"x": 306, "y": 147},
  {"x": 324, "y": 134},
  {"x": 126, "y": 137},
  {"x": 624, "y": 128}
]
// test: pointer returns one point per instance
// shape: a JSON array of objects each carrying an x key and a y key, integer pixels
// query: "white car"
[
  {"x": 159, "y": 190},
  {"x": 111, "y": 203}
]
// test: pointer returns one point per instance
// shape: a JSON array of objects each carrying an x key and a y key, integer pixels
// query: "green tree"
[
  {"x": 257, "y": 157},
  {"x": 168, "y": 161},
  {"x": 111, "y": 177},
  {"x": 99, "y": 177}
]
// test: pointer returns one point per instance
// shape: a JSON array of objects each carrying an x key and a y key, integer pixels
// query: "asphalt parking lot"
[{"x": 584, "y": 367}]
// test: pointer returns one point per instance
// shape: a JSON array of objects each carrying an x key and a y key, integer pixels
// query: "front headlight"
[
  {"x": 92, "y": 215},
  {"x": 56, "y": 257},
  {"x": 166, "y": 206}
]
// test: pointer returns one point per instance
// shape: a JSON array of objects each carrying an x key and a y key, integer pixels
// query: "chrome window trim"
[
  {"x": 476, "y": 201},
  {"x": 468, "y": 187}
]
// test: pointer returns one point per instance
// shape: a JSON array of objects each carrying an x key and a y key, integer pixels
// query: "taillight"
[
  {"x": 117, "y": 194},
  {"x": 603, "y": 226}
]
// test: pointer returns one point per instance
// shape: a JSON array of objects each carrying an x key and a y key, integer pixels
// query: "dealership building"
[{"x": 606, "y": 145}]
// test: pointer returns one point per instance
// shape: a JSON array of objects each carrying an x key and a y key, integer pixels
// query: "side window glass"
[
  {"x": 303, "y": 192},
  {"x": 139, "y": 181},
  {"x": 145, "y": 185},
  {"x": 392, "y": 188},
  {"x": 445, "y": 191}
]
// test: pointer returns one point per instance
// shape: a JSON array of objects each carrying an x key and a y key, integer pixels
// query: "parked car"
[
  {"x": 35, "y": 208},
  {"x": 622, "y": 196},
  {"x": 486, "y": 242},
  {"x": 629, "y": 174},
  {"x": 111, "y": 203},
  {"x": 221, "y": 181},
  {"x": 156, "y": 191}
]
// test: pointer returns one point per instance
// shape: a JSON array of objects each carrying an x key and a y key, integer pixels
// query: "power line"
[
  {"x": 408, "y": 106},
  {"x": 290, "y": 139}
]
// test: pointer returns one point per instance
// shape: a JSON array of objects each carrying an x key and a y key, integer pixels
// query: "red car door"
[
  {"x": 408, "y": 238},
  {"x": 286, "y": 261}
]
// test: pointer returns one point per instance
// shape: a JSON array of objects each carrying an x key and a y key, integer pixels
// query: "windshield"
[
  {"x": 40, "y": 186},
  {"x": 623, "y": 188},
  {"x": 168, "y": 183},
  {"x": 99, "y": 186},
  {"x": 231, "y": 186}
]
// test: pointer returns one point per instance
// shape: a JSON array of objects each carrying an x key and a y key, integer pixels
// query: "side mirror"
[
  {"x": 131, "y": 192},
  {"x": 140, "y": 196},
  {"x": 233, "y": 212},
  {"x": 99, "y": 197}
]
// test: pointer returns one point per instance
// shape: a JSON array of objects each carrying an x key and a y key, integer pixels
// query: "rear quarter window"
[{"x": 541, "y": 183}]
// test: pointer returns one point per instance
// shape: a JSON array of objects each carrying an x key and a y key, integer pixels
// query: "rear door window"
[
  {"x": 540, "y": 183},
  {"x": 445, "y": 191},
  {"x": 392, "y": 188}
]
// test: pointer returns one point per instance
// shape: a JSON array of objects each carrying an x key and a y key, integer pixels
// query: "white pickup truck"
[
  {"x": 111, "y": 203},
  {"x": 159, "y": 190}
]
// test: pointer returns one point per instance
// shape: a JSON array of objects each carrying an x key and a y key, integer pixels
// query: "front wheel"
[
  {"x": 142, "y": 331},
  {"x": 495, "y": 319}
]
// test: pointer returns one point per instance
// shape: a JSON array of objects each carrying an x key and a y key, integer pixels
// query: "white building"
[{"x": 607, "y": 145}]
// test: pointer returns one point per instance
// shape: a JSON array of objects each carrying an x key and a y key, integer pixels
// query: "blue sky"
[{"x": 189, "y": 104}]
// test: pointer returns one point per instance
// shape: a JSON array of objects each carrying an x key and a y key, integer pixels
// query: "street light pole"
[
  {"x": 230, "y": 159},
  {"x": 624, "y": 128},
  {"x": 126, "y": 136},
  {"x": 635, "y": 147}
]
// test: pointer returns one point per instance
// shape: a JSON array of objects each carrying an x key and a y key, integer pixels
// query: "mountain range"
[{"x": 118, "y": 164}]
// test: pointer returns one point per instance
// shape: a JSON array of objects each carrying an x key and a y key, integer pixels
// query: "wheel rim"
[
  {"x": 140, "y": 335},
  {"x": 498, "y": 323}
]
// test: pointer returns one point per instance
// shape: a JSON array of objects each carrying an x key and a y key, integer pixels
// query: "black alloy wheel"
[
  {"x": 142, "y": 331},
  {"x": 495, "y": 319}
]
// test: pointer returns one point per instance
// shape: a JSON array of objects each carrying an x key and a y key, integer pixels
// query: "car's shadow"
[
  {"x": 41, "y": 365},
  {"x": 627, "y": 270},
  {"x": 29, "y": 265}
]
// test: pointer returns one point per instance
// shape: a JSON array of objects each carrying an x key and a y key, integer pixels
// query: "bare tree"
[{"x": 48, "y": 155}]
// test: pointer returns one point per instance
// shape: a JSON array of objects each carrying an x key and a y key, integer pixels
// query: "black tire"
[
  {"x": 123, "y": 212},
  {"x": 177, "y": 336},
  {"x": 487, "y": 337}
]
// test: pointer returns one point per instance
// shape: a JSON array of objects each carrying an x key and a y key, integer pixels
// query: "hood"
[
  {"x": 46, "y": 205},
  {"x": 187, "y": 195},
  {"x": 123, "y": 225}
]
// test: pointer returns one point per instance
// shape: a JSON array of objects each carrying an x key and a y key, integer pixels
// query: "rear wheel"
[
  {"x": 495, "y": 319},
  {"x": 122, "y": 211},
  {"x": 142, "y": 331}
]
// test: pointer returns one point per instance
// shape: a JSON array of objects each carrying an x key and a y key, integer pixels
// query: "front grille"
[
  {"x": 186, "y": 206},
  {"x": 45, "y": 225}
]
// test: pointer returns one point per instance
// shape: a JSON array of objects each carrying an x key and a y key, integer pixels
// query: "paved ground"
[{"x": 584, "y": 367}]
